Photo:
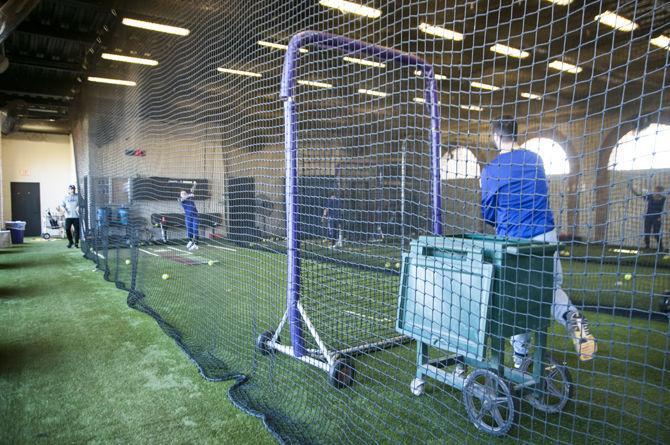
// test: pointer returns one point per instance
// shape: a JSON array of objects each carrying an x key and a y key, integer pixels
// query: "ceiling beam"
[
  {"x": 53, "y": 65},
  {"x": 57, "y": 33}
]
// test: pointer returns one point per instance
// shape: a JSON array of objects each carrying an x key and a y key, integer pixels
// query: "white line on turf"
[
  {"x": 180, "y": 250},
  {"x": 148, "y": 253},
  {"x": 222, "y": 248},
  {"x": 356, "y": 314}
]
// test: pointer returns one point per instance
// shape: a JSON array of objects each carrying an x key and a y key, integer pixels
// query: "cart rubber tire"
[
  {"x": 342, "y": 373},
  {"x": 489, "y": 402},
  {"x": 557, "y": 388},
  {"x": 418, "y": 386},
  {"x": 46, "y": 236},
  {"x": 262, "y": 343}
]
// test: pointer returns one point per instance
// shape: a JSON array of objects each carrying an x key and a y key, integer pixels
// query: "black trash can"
[{"x": 16, "y": 229}]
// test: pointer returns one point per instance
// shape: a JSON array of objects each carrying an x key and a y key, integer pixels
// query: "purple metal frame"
[{"x": 346, "y": 45}]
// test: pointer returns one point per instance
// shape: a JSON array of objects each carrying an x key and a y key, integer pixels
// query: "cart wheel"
[
  {"x": 46, "y": 236},
  {"x": 341, "y": 373},
  {"x": 555, "y": 389},
  {"x": 418, "y": 386},
  {"x": 262, "y": 344},
  {"x": 489, "y": 402}
]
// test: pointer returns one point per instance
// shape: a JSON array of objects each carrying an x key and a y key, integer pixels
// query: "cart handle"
[{"x": 536, "y": 249}]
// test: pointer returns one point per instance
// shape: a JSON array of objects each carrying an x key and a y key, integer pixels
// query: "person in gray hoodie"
[{"x": 70, "y": 205}]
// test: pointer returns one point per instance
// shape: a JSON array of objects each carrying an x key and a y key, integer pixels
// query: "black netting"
[{"x": 354, "y": 221}]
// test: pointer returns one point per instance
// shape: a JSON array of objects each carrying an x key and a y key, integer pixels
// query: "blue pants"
[
  {"x": 333, "y": 228},
  {"x": 191, "y": 226}
]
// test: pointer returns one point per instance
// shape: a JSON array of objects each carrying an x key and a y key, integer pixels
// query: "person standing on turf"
[
  {"x": 190, "y": 216},
  {"x": 515, "y": 200},
  {"x": 332, "y": 213},
  {"x": 70, "y": 205},
  {"x": 652, "y": 218}
]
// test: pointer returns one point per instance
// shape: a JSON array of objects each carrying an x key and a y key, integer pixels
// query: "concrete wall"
[{"x": 36, "y": 157}]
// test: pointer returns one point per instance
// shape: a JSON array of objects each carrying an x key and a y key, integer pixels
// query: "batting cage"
[{"x": 394, "y": 222}]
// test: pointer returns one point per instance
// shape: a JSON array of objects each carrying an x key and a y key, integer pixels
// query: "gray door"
[{"x": 26, "y": 205}]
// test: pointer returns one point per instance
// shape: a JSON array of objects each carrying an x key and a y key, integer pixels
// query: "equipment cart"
[{"x": 467, "y": 295}]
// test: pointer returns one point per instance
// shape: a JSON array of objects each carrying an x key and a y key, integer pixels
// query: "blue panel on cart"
[{"x": 444, "y": 302}]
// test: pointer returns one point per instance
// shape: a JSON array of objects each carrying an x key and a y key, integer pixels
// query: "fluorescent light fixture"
[
  {"x": 128, "y": 59},
  {"x": 315, "y": 84},
  {"x": 421, "y": 100},
  {"x": 509, "y": 51},
  {"x": 616, "y": 21},
  {"x": 372, "y": 92},
  {"x": 364, "y": 62},
  {"x": 531, "y": 96},
  {"x": 437, "y": 76},
  {"x": 561, "y": 2},
  {"x": 155, "y": 27},
  {"x": 563, "y": 66},
  {"x": 661, "y": 41},
  {"x": 241, "y": 73},
  {"x": 278, "y": 46},
  {"x": 471, "y": 107},
  {"x": 128, "y": 83},
  {"x": 441, "y": 32},
  {"x": 484, "y": 86},
  {"x": 43, "y": 110},
  {"x": 352, "y": 8}
]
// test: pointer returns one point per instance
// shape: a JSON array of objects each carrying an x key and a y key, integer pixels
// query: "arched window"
[
  {"x": 642, "y": 150},
  {"x": 553, "y": 155},
  {"x": 459, "y": 164}
]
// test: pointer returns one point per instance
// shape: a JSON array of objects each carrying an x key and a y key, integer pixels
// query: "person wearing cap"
[{"x": 70, "y": 205}]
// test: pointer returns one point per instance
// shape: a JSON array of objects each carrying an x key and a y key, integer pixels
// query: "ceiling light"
[
  {"x": 278, "y": 46},
  {"x": 351, "y": 7},
  {"x": 421, "y": 100},
  {"x": 155, "y": 27},
  {"x": 128, "y": 83},
  {"x": 563, "y": 66},
  {"x": 437, "y": 76},
  {"x": 241, "y": 73},
  {"x": 661, "y": 41},
  {"x": 509, "y": 51},
  {"x": 441, "y": 32},
  {"x": 364, "y": 62},
  {"x": 127, "y": 59},
  {"x": 471, "y": 107},
  {"x": 484, "y": 86},
  {"x": 315, "y": 84},
  {"x": 561, "y": 2},
  {"x": 372, "y": 93},
  {"x": 43, "y": 110},
  {"x": 531, "y": 96},
  {"x": 616, "y": 21}
]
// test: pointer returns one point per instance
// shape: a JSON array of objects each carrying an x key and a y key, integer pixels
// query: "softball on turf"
[
  {"x": 397, "y": 265},
  {"x": 627, "y": 277},
  {"x": 387, "y": 265},
  {"x": 127, "y": 261},
  {"x": 165, "y": 276},
  {"x": 210, "y": 262},
  {"x": 667, "y": 257}
]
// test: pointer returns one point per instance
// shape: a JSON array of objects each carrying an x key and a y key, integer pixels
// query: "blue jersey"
[
  {"x": 515, "y": 198},
  {"x": 189, "y": 207},
  {"x": 334, "y": 208}
]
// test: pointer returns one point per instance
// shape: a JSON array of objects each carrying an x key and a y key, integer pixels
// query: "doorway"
[{"x": 26, "y": 205}]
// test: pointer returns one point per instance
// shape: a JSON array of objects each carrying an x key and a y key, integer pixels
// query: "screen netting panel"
[{"x": 380, "y": 324}]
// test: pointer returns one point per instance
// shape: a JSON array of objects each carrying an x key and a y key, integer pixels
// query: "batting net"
[{"x": 352, "y": 208}]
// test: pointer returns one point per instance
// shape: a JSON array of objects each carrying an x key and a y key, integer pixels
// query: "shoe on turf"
[
  {"x": 194, "y": 246},
  {"x": 76, "y": 246},
  {"x": 189, "y": 244},
  {"x": 584, "y": 341},
  {"x": 69, "y": 245}
]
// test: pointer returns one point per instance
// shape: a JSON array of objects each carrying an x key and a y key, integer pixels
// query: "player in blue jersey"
[
  {"x": 653, "y": 222},
  {"x": 515, "y": 200},
  {"x": 332, "y": 213},
  {"x": 190, "y": 216}
]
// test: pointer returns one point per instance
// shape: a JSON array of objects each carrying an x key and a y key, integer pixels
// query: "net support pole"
[{"x": 288, "y": 81}]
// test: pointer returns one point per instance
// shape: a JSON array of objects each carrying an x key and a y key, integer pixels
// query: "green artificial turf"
[
  {"x": 78, "y": 366},
  {"x": 219, "y": 311}
]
